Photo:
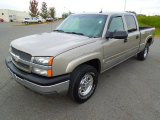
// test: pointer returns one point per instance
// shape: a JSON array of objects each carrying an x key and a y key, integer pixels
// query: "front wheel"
[
  {"x": 26, "y": 22},
  {"x": 83, "y": 83},
  {"x": 143, "y": 54}
]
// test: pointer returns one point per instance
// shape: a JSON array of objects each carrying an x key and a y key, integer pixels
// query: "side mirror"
[
  {"x": 109, "y": 35},
  {"x": 117, "y": 35}
]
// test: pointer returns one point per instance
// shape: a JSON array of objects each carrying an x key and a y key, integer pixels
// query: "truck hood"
[{"x": 50, "y": 44}]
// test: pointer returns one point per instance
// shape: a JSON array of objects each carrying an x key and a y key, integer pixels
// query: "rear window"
[{"x": 131, "y": 23}]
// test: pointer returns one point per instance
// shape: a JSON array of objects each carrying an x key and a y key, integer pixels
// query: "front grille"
[
  {"x": 22, "y": 55},
  {"x": 21, "y": 65},
  {"x": 23, "y": 58}
]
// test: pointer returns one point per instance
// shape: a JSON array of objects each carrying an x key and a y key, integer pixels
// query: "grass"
[
  {"x": 153, "y": 21},
  {"x": 157, "y": 32}
]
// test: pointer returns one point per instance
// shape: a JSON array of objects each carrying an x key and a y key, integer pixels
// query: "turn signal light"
[
  {"x": 49, "y": 73},
  {"x": 50, "y": 61}
]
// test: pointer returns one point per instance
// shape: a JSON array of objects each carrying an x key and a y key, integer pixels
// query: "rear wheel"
[
  {"x": 83, "y": 83},
  {"x": 143, "y": 54}
]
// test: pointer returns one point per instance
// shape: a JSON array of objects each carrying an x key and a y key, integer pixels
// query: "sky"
[{"x": 148, "y": 7}]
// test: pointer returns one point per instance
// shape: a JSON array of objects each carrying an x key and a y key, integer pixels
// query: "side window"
[
  {"x": 116, "y": 24},
  {"x": 131, "y": 23}
]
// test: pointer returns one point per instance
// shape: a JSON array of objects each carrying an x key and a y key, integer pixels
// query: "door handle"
[{"x": 137, "y": 36}]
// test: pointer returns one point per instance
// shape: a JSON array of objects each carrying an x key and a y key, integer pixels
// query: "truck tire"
[
  {"x": 39, "y": 22},
  {"x": 83, "y": 83},
  {"x": 26, "y": 22},
  {"x": 143, "y": 54}
]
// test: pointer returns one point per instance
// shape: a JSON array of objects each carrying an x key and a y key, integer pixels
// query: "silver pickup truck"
[{"x": 72, "y": 56}]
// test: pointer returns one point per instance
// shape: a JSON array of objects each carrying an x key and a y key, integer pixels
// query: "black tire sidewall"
[{"x": 77, "y": 76}]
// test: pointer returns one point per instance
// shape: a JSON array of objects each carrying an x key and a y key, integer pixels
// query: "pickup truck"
[
  {"x": 72, "y": 56},
  {"x": 32, "y": 20}
]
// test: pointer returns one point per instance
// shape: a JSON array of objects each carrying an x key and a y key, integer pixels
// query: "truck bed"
[
  {"x": 145, "y": 33},
  {"x": 143, "y": 28}
]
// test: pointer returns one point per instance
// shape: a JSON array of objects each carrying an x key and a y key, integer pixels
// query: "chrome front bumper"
[
  {"x": 37, "y": 83},
  {"x": 60, "y": 87}
]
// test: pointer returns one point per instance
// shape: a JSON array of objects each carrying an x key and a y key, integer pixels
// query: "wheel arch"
[
  {"x": 92, "y": 59},
  {"x": 149, "y": 40}
]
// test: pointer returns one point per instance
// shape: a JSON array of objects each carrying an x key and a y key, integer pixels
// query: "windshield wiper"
[
  {"x": 75, "y": 33},
  {"x": 58, "y": 30},
  {"x": 70, "y": 32}
]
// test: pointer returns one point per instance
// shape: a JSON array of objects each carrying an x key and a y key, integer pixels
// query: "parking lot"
[{"x": 129, "y": 91}]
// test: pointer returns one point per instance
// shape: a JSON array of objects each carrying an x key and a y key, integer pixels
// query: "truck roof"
[{"x": 108, "y": 13}]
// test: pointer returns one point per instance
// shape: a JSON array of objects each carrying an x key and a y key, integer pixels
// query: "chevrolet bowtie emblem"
[{"x": 16, "y": 57}]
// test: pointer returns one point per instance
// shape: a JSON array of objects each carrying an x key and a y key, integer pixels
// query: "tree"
[
  {"x": 52, "y": 12},
  {"x": 65, "y": 15},
  {"x": 33, "y": 8},
  {"x": 132, "y": 12},
  {"x": 44, "y": 11}
]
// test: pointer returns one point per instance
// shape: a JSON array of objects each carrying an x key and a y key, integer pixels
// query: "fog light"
[
  {"x": 47, "y": 73},
  {"x": 40, "y": 71}
]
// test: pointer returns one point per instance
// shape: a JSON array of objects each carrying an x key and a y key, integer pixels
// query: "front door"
[{"x": 114, "y": 49}]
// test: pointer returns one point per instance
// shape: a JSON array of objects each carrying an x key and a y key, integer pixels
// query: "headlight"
[{"x": 47, "y": 61}]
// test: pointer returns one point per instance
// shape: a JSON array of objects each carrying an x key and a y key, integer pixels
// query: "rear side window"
[
  {"x": 131, "y": 23},
  {"x": 116, "y": 24}
]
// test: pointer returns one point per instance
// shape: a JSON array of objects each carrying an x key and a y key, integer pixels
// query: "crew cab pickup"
[{"x": 72, "y": 56}]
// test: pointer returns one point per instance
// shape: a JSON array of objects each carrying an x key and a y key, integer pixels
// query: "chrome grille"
[
  {"x": 21, "y": 59},
  {"x": 21, "y": 65},
  {"x": 22, "y": 55}
]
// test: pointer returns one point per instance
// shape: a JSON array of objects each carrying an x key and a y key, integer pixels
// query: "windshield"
[{"x": 90, "y": 25}]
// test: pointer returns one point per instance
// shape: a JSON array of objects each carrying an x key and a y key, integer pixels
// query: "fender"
[
  {"x": 142, "y": 45},
  {"x": 76, "y": 62}
]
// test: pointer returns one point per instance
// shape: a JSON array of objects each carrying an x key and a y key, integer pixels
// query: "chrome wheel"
[
  {"x": 145, "y": 52},
  {"x": 86, "y": 84}
]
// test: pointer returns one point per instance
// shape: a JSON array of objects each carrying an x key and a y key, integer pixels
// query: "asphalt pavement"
[{"x": 129, "y": 91}]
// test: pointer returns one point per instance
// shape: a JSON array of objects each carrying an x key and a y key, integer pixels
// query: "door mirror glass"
[{"x": 117, "y": 35}]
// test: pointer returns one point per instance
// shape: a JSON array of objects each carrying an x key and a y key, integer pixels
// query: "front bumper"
[{"x": 37, "y": 83}]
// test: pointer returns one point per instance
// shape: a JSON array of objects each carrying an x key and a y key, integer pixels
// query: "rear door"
[{"x": 133, "y": 40}]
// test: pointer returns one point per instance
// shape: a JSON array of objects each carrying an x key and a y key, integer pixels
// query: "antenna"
[
  {"x": 125, "y": 5},
  {"x": 101, "y": 11}
]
